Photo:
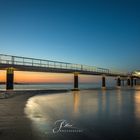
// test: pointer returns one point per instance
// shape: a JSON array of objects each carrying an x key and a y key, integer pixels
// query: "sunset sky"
[
  {"x": 39, "y": 77},
  {"x": 103, "y": 33}
]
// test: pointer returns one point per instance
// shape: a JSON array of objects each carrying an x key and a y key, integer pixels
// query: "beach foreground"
[
  {"x": 14, "y": 125},
  {"x": 87, "y": 114}
]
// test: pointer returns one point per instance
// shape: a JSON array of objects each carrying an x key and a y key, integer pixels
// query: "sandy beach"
[{"x": 14, "y": 125}]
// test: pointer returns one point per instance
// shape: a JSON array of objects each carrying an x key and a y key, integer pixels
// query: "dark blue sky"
[{"x": 104, "y": 33}]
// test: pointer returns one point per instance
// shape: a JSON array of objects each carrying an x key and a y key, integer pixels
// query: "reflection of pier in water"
[
  {"x": 137, "y": 105},
  {"x": 105, "y": 102},
  {"x": 76, "y": 100}
]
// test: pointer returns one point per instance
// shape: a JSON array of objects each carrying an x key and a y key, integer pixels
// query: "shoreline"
[
  {"x": 4, "y": 94},
  {"x": 14, "y": 123},
  {"x": 11, "y": 93}
]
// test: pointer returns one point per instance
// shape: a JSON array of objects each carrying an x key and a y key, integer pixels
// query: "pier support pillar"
[
  {"x": 128, "y": 81},
  {"x": 103, "y": 82},
  {"x": 10, "y": 79},
  {"x": 118, "y": 81},
  {"x": 132, "y": 82},
  {"x": 76, "y": 81}
]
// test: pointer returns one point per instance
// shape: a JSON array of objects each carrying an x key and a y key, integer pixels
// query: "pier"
[{"x": 16, "y": 63}]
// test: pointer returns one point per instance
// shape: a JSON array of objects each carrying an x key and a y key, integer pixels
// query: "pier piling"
[
  {"x": 132, "y": 82},
  {"x": 103, "y": 82},
  {"x": 76, "y": 81},
  {"x": 118, "y": 82},
  {"x": 10, "y": 79},
  {"x": 128, "y": 81}
]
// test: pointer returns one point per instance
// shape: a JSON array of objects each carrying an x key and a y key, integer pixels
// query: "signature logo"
[{"x": 64, "y": 126}]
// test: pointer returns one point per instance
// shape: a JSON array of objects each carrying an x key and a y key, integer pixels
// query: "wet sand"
[{"x": 14, "y": 125}]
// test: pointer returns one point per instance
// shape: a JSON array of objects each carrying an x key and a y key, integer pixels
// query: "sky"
[{"x": 103, "y": 33}]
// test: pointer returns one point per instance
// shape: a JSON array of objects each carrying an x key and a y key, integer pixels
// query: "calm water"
[
  {"x": 57, "y": 86},
  {"x": 95, "y": 114}
]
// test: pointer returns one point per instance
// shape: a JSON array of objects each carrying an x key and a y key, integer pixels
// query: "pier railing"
[{"x": 24, "y": 61}]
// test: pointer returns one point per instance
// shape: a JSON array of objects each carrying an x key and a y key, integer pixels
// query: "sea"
[
  {"x": 92, "y": 113},
  {"x": 51, "y": 86}
]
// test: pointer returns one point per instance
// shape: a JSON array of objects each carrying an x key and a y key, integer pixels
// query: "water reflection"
[
  {"x": 102, "y": 114},
  {"x": 137, "y": 105},
  {"x": 76, "y": 96}
]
